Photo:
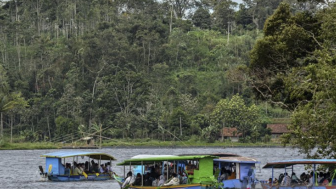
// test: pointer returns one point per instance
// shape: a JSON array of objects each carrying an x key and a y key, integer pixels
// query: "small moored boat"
[{"x": 59, "y": 168}]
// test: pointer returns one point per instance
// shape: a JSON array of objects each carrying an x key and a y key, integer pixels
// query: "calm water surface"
[{"x": 19, "y": 168}]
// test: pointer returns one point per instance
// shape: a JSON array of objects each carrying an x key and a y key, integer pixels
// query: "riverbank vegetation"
[
  {"x": 129, "y": 143},
  {"x": 161, "y": 70}
]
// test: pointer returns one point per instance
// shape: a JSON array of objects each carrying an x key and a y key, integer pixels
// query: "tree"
[
  {"x": 202, "y": 18},
  {"x": 224, "y": 14},
  {"x": 234, "y": 113},
  {"x": 287, "y": 42},
  {"x": 179, "y": 121},
  {"x": 8, "y": 100},
  {"x": 299, "y": 74}
]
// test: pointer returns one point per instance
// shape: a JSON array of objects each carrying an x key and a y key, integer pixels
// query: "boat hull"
[
  {"x": 65, "y": 178},
  {"x": 266, "y": 186},
  {"x": 186, "y": 186}
]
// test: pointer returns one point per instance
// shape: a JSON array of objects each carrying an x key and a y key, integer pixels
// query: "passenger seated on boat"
[
  {"x": 281, "y": 176},
  {"x": 162, "y": 180},
  {"x": 86, "y": 167},
  {"x": 184, "y": 179},
  {"x": 96, "y": 168},
  {"x": 326, "y": 179},
  {"x": 310, "y": 182},
  {"x": 286, "y": 181},
  {"x": 102, "y": 169},
  {"x": 128, "y": 180},
  {"x": 77, "y": 170},
  {"x": 224, "y": 175},
  {"x": 304, "y": 177},
  {"x": 174, "y": 181},
  {"x": 295, "y": 179},
  {"x": 67, "y": 169},
  {"x": 147, "y": 181},
  {"x": 275, "y": 182},
  {"x": 91, "y": 165},
  {"x": 326, "y": 182},
  {"x": 82, "y": 167},
  {"x": 137, "y": 181},
  {"x": 108, "y": 167},
  {"x": 156, "y": 181}
]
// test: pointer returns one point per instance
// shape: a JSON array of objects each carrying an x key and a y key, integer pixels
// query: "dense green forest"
[{"x": 150, "y": 69}]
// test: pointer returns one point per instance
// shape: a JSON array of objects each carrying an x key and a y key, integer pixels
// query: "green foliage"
[
  {"x": 209, "y": 133},
  {"x": 234, "y": 113},
  {"x": 302, "y": 80},
  {"x": 133, "y": 67},
  {"x": 287, "y": 41},
  {"x": 202, "y": 18}
]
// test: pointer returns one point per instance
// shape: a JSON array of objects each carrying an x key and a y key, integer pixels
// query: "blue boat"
[
  {"x": 57, "y": 171},
  {"x": 289, "y": 165},
  {"x": 241, "y": 170}
]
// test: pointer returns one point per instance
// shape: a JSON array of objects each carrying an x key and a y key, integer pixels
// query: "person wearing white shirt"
[
  {"x": 128, "y": 181},
  {"x": 174, "y": 181}
]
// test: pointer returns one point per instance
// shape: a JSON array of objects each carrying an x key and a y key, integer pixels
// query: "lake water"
[{"x": 19, "y": 168}]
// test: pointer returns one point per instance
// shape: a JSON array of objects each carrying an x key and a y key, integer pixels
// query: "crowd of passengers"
[
  {"x": 321, "y": 179},
  {"x": 87, "y": 167},
  {"x": 154, "y": 177},
  {"x": 225, "y": 173}
]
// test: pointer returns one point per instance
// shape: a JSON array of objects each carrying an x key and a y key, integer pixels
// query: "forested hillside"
[{"x": 138, "y": 68}]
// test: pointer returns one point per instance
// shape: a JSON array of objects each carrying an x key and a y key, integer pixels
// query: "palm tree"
[
  {"x": 9, "y": 101},
  {"x": 6, "y": 104}
]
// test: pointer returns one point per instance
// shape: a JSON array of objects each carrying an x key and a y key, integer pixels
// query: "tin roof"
[
  {"x": 237, "y": 159},
  {"x": 66, "y": 154},
  {"x": 278, "y": 128},
  {"x": 287, "y": 163},
  {"x": 145, "y": 159},
  {"x": 230, "y": 132}
]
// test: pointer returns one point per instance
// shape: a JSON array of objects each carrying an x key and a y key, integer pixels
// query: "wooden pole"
[{"x": 100, "y": 142}]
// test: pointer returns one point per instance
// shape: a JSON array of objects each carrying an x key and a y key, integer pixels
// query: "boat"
[
  {"x": 197, "y": 168},
  {"x": 240, "y": 170},
  {"x": 58, "y": 171},
  {"x": 289, "y": 165}
]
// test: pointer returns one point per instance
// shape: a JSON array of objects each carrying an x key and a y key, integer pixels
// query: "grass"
[
  {"x": 28, "y": 146},
  {"x": 130, "y": 143},
  {"x": 156, "y": 143}
]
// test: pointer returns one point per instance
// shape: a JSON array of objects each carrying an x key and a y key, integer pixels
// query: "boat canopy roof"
[
  {"x": 287, "y": 163},
  {"x": 67, "y": 154},
  {"x": 214, "y": 154},
  {"x": 237, "y": 159},
  {"x": 148, "y": 159}
]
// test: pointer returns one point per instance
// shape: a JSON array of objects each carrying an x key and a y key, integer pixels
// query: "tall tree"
[
  {"x": 223, "y": 15},
  {"x": 234, "y": 113},
  {"x": 288, "y": 40}
]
